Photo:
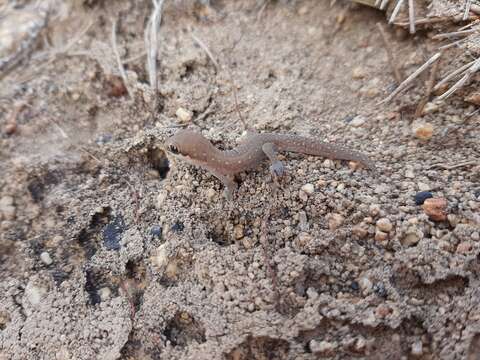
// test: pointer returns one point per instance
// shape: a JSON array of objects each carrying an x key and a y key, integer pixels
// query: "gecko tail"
[{"x": 316, "y": 147}]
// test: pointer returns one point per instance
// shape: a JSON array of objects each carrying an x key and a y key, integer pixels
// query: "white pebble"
[
  {"x": 417, "y": 348},
  {"x": 104, "y": 293},
  {"x": 308, "y": 189},
  {"x": 358, "y": 121},
  {"x": 34, "y": 293},
  {"x": 384, "y": 225},
  {"x": 46, "y": 258},
  {"x": 318, "y": 347},
  {"x": 184, "y": 115}
]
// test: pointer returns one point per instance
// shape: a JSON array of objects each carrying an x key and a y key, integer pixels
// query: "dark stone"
[
  {"x": 355, "y": 286},
  {"x": 177, "y": 226},
  {"x": 113, "y": 232},
  {"x": 380, "y": 290},
  {"x": 421, "y": 196},
  {"x": 156, "y": 231}
]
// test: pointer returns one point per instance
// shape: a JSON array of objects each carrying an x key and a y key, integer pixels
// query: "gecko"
[{"x": 193, "y": 148}]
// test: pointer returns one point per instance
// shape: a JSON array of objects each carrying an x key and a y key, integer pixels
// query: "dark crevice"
[
  {"x": 260, "y": 347},
  {"x": 182, "y": 329},
  {"x": 158, "y": 161}
]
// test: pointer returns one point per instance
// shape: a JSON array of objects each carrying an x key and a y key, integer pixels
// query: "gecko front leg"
[{"x": 229, "y": 184}]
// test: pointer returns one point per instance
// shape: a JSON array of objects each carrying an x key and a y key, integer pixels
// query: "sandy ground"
[{"x": 109, "y": 251}]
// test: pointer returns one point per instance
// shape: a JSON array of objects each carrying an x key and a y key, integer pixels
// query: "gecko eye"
[{"x": 173, "y": 149}]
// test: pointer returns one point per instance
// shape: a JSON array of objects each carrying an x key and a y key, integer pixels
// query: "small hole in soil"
[
  {"x": 183, "y": 328},
  {"x": 4, "y": 320},
  {"x": 158, "y": 161}
]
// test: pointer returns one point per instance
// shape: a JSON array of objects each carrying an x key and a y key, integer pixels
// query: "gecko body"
[{"x": 193, "y": 148}]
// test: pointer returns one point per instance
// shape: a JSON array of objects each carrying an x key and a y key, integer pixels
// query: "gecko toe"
[{"x": 277, "y": 169}]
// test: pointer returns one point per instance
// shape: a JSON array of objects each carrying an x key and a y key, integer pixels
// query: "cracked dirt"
[{"x": 110, "y": 251}]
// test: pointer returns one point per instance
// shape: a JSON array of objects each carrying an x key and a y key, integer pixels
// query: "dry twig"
[
  {"x": 455, "y": 33},
  {"x": 151, "y": 45},
  {"x": 430, "y": 83},
  {"x": 412, "y": 77},
  {"x": 450, "y": 76},
  {"x": 119, "y": 61},
  {"x": 411, "y": 16},
  {"x": 468, "y": 4},
  {"x": 468, "y": 74},
  {"x": 396, "y": 71},
  {"x": 456, "y": 166},
  {"x": 206, "y": 49},
  {"x": 395, "y": 11}
]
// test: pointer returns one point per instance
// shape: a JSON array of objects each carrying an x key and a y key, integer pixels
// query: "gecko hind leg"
[{"x": 277, "y": 169}]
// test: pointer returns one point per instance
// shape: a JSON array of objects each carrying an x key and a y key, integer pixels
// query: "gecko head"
[{"x": 189, "y": 144}]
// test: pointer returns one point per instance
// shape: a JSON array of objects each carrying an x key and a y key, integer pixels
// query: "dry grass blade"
[
  {"x": 411, "y": 16},
  {"x": 384, "y": 4},
  {"x": 206, "y": 49},
  {"x": 121, "y": 69},
  {"x": 424, "y": 21},
  {"x": 471, "y": 70},
  {"x": 430, "y": 83},
  {"x": 468, "y": 4},
  {"x": 395, "y": 11},
  {"x": 396, "y": 71},
  {"x": 453, "y": 74},
  {"x": 455, "y": 43},
  {"x": 151, "y": 44},
  {"x": 455, "y": 33},
  {"x": 412, "y": 77},
  {"x": 454, "y": 166}
]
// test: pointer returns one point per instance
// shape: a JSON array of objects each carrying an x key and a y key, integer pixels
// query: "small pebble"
[
  {"x": 160, "y": 257},
  {"x": 422, "y": 131},
  {"x": 238, "y": 231},
  {"x": 384, "y": 225},
  {"x": 156, "y": 231},
  {"x": 409, "y": 174},
  {"x": 358, "y": 73},
  {"x": 104, "y": 293},
  {"x": 46, "y": 258},
  {"x": 412, "y": 236},
  {"x": 321, "y": 347},
  {"x": 380, "y": 236},
  {"x": 464, "y": 247},
  {"x": 374, "y": 210},
  {"x": 358, "y": 121},
  {"x": 429, "y": 108},
  {"x": 383, "y": 310},
  {"x": 360, "y": 344},
  {"x": 308, "y": 189},
  {"x": 211, "y": 193},
  {"x": 360, "y": 230},
  {"x": 184, "y": 115},
  {"x": 365, "y": 285},
  {"x": 177, "y": 226},
  {"x": 473, "y": 98},
  {"x": 417, "y": 348},
  {"x": 424, "y": 186},
  {"x": 335, "y": 221},
  {"x": 421, "y": 196},
  {"x": 435, "y": 208},
  {"x": 34, "y": 293}
]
